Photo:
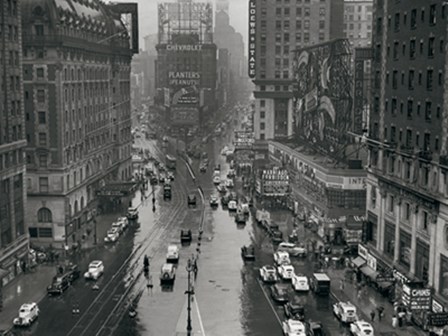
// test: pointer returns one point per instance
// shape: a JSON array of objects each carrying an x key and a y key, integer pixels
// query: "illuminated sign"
[
  {"x": 275, "y": 182},
  {"x": 244, "y": 140},
  {"x": 252, "y": 37},
  {"x": 358, "y": 99},
  {"x": 183, "y": 78},
  {"x": 183, "y": 47}
]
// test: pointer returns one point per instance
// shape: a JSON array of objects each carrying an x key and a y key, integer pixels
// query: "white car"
[
  {"x": 229, "y": 183},
  {"x": 292, "y": 249},
  {"x": 232, "y": 206},
  {"x": 229, "y": 152},
  {"x": 118, "y": 226},
  {"x": 224, "y": 150},
  {"x": 245, "y": 209},
  {"x": 286, "y": 271},
  {"x": 112, "y": 235},
  {"x": 282, "y": 258},
  {"x": 216, "y": 179},
  {"x": 172, "y": 256},
  {"x": 96, "y": 269},
  {"x": 300, "y": 283},
  {"x": 132, "y": 213},
  {"x": 28, "y": 313},
  {"x": 214, "y": 200},
  {"x": 123, "y": 221},
  {"x": 268, "y": 274},
  {"x": 345, "y": 312},
  {"x": 231, "y": 173},
  {"x": 293, "y": 328},
  {"x": 361, "y": 328}
]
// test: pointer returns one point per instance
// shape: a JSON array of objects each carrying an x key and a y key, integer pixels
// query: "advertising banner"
[
  {"x": 185, "y": 115},
  {"x": 416, "y": 298},
  {"x": 275, "y": 182},
  {"x": 244, "y": 140},
  {"x": 252, "y": 38}
]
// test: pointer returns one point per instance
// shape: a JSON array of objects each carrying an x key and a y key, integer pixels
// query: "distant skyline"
[{"x": 238, "y": 12}]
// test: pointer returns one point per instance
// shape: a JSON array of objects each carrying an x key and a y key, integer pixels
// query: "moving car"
[
  {"x": 123, "y": 221},
  {"x": 229, "y": 183},
  {"x": 231, "y": 173},
  {"x": 293, "y": 328},
  {"x": 59, "y": 284},
  {"x": 167, "y": 191},
  {"x": 286, "y": 272},
  {"x": 268, "y": 274},
  {"x": 282, "y": 258},
  {"x": 248, "y": 252},
  {"x": 320, "y": 284},
  {"x": 112, "y": 235},
  {"x": 224, "y": 150},
  {"x": 28, "y": 313},
  {"x": 225, "y": 200},
  {"x": 170, "y": 176},
  {"x": 167, "y": 274},
  {"x": 314, "y": 328},
  {"x": 232, "y": 205},
  {"x": 292, "y": 249},
  {"x": 279, "y": 293},
  {"x": 186, "y": 236},
  {"x": 240, "y": 218},
  {"x": 162, "y": 178},
  {"x": 221, "y": 188},
  {"x": 276, "y": 236},
  {"x": 233, "y": 196},
  {"x": 300, "y": 283},
  {"x": 294, "y": 310},
  {"x": 172, "y": 256},
  {"x": 203, "y": 168},
  {"x": 244, "y": 207},
  {"x": 345, "y": 312},
  {"x": 191, "y": 199},
  {"x": 132, "y": 213},
  {"x": 96, "y": 269},
  {"x": 214, "y": 201},
  {"x": 216, "y": 179},
  {"x": 361, "y": 328}
]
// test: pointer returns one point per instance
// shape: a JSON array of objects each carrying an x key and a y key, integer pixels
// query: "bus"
[{"x": 170, "y": 162}]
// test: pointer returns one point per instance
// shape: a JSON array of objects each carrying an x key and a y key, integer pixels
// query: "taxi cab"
[{"x": 345, "y": 312}]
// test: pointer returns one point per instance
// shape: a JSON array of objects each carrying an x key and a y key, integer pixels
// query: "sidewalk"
[{"x": 29, "y": 287}]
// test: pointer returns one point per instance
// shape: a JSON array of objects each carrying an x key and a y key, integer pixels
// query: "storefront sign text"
[
  {"x": 184, "y": 47},
  {"x": 252, "y": 38},
  {"x": 362, "y": 252}
]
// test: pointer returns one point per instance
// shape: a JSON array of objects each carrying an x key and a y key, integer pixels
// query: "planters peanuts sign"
[{"x": 252, "y": 37}]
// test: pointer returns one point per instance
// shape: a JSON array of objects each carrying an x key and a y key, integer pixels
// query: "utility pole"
[{"x": 189, "y": 292}]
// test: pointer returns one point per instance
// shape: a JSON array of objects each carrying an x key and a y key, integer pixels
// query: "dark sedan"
[
  {"x": 295, "y": 310},
  {"x": 279, "y": 293}
]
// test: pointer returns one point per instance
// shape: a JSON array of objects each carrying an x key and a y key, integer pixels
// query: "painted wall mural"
[{"x": 323, "y": 95}]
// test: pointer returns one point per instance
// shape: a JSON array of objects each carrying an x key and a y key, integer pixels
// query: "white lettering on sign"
[
  {"x": 184, "y": 47},
  {"x": 421, "y": 292},
  {"x": 184, "y": 78},
  {"x": 252, "y": 38},
  {"x": 362, "y": 252}
]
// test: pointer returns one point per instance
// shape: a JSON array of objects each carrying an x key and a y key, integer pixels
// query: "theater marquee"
[{"x": 252, "y": 38}]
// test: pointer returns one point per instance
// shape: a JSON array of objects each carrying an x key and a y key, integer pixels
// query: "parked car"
[
  {"x": 248, "y": 252},
  {"x": 172, "y": 255},
  {"x": 132, "y": 213},
  {"x": 361, "y": 328},
  {"x": 118, "y": 226},
  {"x": 191, "y": 199},
  {"x": 225, "y": 200},
  {"x": 279, "y": 293},
  {"x": 276, "y": 236},
  {"x": 167, "y": 274},
  {"x": 123, "y": 221},
  {"x": 294, "y": 310},
  {"x": 293, "y": 328},
  {"x": 111, "y": 236},
  {"x": 282, "y": 258},
  {"x": 229, "y": 183},
  {"x": 203, "y": 168},
  {"x": 170, "y": 176},
  {"x": 95, "y": 270},
  {"x": 231, "y": 173},
  {"x": 314, "y": 328},
  {"x": 221, "y": 188},
  {"x": 28, "y": 313},
  {"x": 268, "y": 274},
  {"x": 300, "y": 283},
  {"x": 292, "y": 249},
  {"x": 286, "y": 272},
  {"x": 345, "y": 312},
  {"x": 216, "y": 179},
  {"x": 240, "y": 218}
]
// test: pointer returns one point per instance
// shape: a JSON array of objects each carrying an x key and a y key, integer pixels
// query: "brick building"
[
  {"x": 407, "y": 185},
  {"x": 76, "y": 68},
  {"x": 13, "y": 234}
]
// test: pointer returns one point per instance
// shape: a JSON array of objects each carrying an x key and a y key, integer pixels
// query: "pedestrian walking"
[
  {"x": 372, "y": 315},
  {"x": 342, "y": 285},
  {"x": 394, "y": 321},
  {"x": 380, "y": 312}
]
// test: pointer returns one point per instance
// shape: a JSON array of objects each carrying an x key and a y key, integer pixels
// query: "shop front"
[
  {"x": 13, "y": 264},
  {"x": 353, "y": 230}
]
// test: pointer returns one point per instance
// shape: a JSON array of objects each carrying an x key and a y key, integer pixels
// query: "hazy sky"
[{"x": 148, "y": 16}]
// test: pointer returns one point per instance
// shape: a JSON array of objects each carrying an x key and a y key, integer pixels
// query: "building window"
[
  {"x": 262, "y": 126},
  {"x": 40, "y": 73},
  {"x": 262, "y": 103},
  {"x": 42, "y": 139},
  {"x": 39, "y": 30},
  {"x": 397, "y": 22},
  {"x": 407, "y": 211},
  {"x": 429, "y": 74},
  {"x": 262, "y": 136},
  {"x": 40, "y": 96},
  {"x": 43, "y": 159},
  {"x": 432, "y": 15},
  {"x": 43, "y": 184},
  {"x": 411, "y": 80},
  {"x": 391, "y": 204},
  {"x": 431, "y": 42},
  {"x": 262, "y": 114},
  {"x": 410, "y": 107},
  {"x": 428, "y": 108},
  {"x": 425, "y": 221},
  {"x": 405, "y": 249},
  {"x": 44, "y": 215},
  {"x": 42, "y": 118}
]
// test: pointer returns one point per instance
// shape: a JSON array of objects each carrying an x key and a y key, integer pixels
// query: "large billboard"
[
  {"x": 273, "y": 182},
  {"x": 323, "y": 95},
  {"x": 252, "y": 38},
  {"x": 244, "y": 140}
]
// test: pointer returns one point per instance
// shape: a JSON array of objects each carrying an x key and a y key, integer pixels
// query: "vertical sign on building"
[
  {"x": 358, "y": 100},
  {"x": 252, "y": 37}
]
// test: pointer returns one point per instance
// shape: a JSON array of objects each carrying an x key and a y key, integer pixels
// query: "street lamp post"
[{"x": 189, "y": 292}]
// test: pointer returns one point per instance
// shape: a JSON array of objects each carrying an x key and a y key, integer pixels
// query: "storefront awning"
[
  {"x": 358, "y": 262},
  {"x": 369, "y": 272}
]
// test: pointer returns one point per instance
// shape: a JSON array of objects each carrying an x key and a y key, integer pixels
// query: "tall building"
[
  {"x": 276, "y": 28},
  {"x": 226, "y": 37},
  {"x": 76, "y": 67},
  {"x": 407, "y": 185},
  {"x": 358, "y": 22},
  {"x": 186, "y": 62},
  {"x": 13, "y": 235}
]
